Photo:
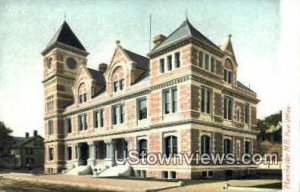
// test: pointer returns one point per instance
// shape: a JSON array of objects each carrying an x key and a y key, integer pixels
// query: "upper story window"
[
  {"x": 50, "y": 127},
  {"x": 68, "y": 125},
  {"x": 228, "y": 104},
  {"x": 205, "y": 100},
  {"x": 227, "y": 76},
  {"x": 170, "y": 62},
  {"x": 247, "y": 112},
  {"x": 205, "y": 144},
  {"x": 29, "y": 151},
  {"x": 119, "y": 85},
  {"x": 118, "y": 114},
  {"x": 238, "y": 114},
  {"x": 142, "y": 108},
  {"x": 171, "y": 146},
  {"x": 49, "y": 62},
  {"x": 206, "y": 61},
  {"x": 99, "y": 118},
  {"x": 82, "y": 122},
  {"x": 82, "y": 93},
  {"x": 170, "y": 101},
  {"x": 228, "y": 68},
  {"x": 162, "y": 65},
  {"x": 177, "y": 60}
]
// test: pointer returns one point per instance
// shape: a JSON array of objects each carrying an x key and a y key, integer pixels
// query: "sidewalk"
[{"x": 97, "y": 183}]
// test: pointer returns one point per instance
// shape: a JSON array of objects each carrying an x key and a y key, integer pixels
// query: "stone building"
[{"x": 184, "y": 97}]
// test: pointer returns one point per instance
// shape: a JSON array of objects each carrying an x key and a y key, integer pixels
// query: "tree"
[
  {"x": 5, "y": 139},
  {"x": 270, "y": 127}
]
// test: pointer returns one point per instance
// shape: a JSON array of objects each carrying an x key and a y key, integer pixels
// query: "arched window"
[
  {"x": 228, "y": 68},
  {"x": 227, "y": 146},
  {"x": 118, "y": 79},
  {"x": 170, "y": 145},
  {"x": 142, "y": 148},
  {"x": 82, "y": 93},
  {"x": 205, "y": 144}
]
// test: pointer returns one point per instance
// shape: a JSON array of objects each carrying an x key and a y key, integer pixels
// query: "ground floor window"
[
  {"x": 170, "y": 145},
  {"x": 142, "y": 147}
]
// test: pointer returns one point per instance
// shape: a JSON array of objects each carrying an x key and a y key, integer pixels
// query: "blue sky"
[{"x": 27, "y": 26}]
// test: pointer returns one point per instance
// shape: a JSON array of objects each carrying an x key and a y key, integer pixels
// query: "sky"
[{"x": 26, "y": 27}]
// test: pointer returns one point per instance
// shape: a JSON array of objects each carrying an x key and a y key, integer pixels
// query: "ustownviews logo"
[{"x": 135, "y": 157}]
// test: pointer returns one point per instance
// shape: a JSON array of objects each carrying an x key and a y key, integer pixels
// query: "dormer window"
[
  {"x": 118, "y": 85},
  {"x": 227, "y": 76},
  {"x": 82, "y": 98}
]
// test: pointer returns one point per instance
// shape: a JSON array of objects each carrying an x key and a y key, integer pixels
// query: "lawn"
[{"x": 9, "y": 185}]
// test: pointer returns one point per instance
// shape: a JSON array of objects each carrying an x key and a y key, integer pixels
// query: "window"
[
  {"x": 206, "y": 62},
  {"x": 50, "y": 127},
  {"x": 82, "y": 122},
  {"x": 205, "y": 100},
  {"x": 238, "y": 115},
  {"x": 228, "y": 108},
  {"x": 174, "y": 100},
  {"x": 29, "y": 161},
  {"x": 51, "y": 153},
  {"x": 118, "y": 114},
  {"x": 68, "y": 125},
  {"x": 162, "y": 65},
  {"x": 170, "y": 146},
  {"x": 247, "y": 108},
  {"x": 247, "y": 147},
  {"x": 200, "y": 59},
  {"x": 169, "y": 60},
  {"x": 166, "y": 102},
  {"x": 170, "y": 101},
  {"x": 82, "y": 98},
  {"x": 142, "y": 148},
  {"x": 121, "y": 84},
  {"x": 142, "y": 109},
  {"x": 69, "y": 157},
  {"x": 213, "y": 65},
  {"x": 172, "y": 175},
  {"x": 205, "y": 144},
  {"x": 227, "y": 75},
  {"x": 98, "y": 118},
  {"x": 122, "y": 114},
  {"x": 118, "y": 85},
  {"x": 227, "y": 146},
  {"x": 177, "y": 60}
]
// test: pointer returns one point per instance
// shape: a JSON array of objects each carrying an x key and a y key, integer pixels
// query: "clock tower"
[{"x": 62, "y": 58}]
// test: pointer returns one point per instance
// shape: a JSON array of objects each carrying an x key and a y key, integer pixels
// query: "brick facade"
[{"x": 143, "y": 79}]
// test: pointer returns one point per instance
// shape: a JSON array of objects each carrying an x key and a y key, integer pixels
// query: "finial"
[
  {"x": 118, "y": 42},
  {"x": 65, "y": 16},
  {"x": 186, "y": 15},
  {"x": 229, "y": 36}
]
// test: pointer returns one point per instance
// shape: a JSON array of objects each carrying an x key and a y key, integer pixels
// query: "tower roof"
[
  {"x": 184, "y": 31},
  {"x": 65, "y": 36}
]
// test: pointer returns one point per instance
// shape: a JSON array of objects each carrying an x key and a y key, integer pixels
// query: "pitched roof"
[
  {"x": 141, "y": 61},
  {"x": 66, "y": 36},
  {"x": 184, "y": 31},
  {"x": 20, "y": 141},
  {"x": 241, "y": 85},
  {"x": 97, "y": 75}
]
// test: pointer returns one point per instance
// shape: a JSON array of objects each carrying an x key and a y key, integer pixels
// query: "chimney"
[
  {"x": 102, "y": 67},
  {"x": 158, "y": 39},
  {"x": 35, "y": 133},
  {"x": 26, "y": 134}
]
